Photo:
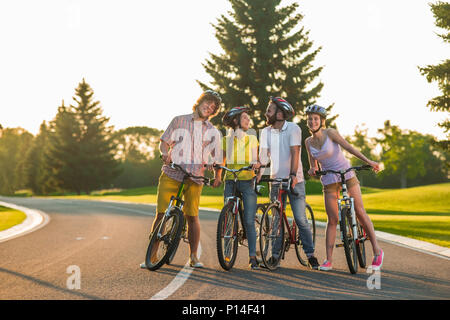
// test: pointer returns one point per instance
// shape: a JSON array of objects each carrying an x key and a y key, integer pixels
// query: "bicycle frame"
[
  {"x": 291, "y": 228},
  {"x": 347, "y": 202},
  {"x": 237, "y": 206},
  {"x": 179, "y": 202},
  {"x": 281, "y": 191}
]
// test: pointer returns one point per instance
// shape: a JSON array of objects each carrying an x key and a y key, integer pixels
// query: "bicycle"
[
  {"x": 353, "y": 235},
  {"x": 164, "y": 240},
  {"x": 273, "y": 238},
  {"x": 231, "y": 233}
]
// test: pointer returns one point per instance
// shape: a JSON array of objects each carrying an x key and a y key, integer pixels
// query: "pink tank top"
[{"x": 330, "y": 157}]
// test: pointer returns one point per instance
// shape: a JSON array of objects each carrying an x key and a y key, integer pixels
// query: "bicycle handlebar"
[
  {"x": 190, "y": 175},
  {"x": 280, "y": 180},
  {"x": 356, "y": 168},
  {"x": 218, "y": 166}
]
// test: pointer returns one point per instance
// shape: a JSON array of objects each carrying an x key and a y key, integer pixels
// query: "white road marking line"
[
  {"x": 178, "y": 281},
  {"x": 35, "y": 220}
]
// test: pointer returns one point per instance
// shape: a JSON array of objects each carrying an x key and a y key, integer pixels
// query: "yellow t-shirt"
[{"x": 239, "y": 154}]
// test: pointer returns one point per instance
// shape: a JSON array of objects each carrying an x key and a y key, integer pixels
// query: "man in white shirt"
[{"x": 280, "y": 144}]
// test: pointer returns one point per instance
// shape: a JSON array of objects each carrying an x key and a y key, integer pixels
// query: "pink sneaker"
[
  {"x": 378, "y": 261},
  {"x": 326, "y": 266}
]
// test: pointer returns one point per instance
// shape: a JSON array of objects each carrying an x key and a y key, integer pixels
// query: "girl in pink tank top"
[{"x": 324, "y": 148}]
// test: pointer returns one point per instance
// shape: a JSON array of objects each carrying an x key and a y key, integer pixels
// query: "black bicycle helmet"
[
  {"x": 314, "y": 108},
  {"x": 284, "y": 106},
  {"x": 232, "y": 114}
]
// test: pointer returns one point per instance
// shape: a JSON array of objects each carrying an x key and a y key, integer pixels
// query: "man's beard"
[
  {"x": 201, "y": 114},
  {"x": 271, "y": 120}
]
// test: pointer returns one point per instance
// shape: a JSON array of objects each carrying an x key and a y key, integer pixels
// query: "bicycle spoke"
[
  {"x": 164, "y": 240},
  {"x": 271, "y": 237},
  {"x": 226, "y": 237}
]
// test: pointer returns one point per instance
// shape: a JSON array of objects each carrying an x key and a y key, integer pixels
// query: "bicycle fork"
[
  {"x": 235, "y": 212},
  {"x": 167, "y": 214},
  {"x": 343, "y": 204}
]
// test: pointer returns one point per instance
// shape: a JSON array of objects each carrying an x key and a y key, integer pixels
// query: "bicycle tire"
[
  {"x": 259, "y": 212},
  {"x": 167, "y": 243},
  {"x": 174, "y": 251},
  {"x": 227, "y": 226},
  {"x": 271, "y": 233},
  {"x": 360, "y": 247},
  {"x": 349, "y": 244},
  {"x": 301, "y": 256}
]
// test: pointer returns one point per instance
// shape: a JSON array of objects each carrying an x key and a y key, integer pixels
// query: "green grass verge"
[
  {"x": 421, "y": 212},
  {"x": 10, "y": 218}
]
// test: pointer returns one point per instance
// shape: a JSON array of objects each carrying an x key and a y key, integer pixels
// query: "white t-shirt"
[{"x": 278, "y": 143}]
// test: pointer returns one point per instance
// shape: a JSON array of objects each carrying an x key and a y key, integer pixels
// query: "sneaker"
[
  {"x": 195, "y": 263},
  {"x": 313, "y": 263},
  {"x": 378, "y": 261},
  {"x": 253, "y": 264},
  {"x": 143, "y": 265},
  {"x": 326, "y": 266}
]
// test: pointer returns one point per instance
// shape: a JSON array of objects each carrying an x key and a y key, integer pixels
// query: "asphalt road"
[{"x": 108, "y": 241}]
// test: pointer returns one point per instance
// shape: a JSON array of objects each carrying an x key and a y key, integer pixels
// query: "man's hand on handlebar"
[{"x": 217, "y": 182}]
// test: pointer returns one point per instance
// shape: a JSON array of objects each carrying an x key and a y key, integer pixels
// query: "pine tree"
[
  {"x": 81, "y": 152},
  {"x": 63, "y": 150},
  {"x": 13, "y": 144},
  {"x": 264, "y": 55},
  {"x": 34, "y": 170},
  {"x": 441, "y": 73}
]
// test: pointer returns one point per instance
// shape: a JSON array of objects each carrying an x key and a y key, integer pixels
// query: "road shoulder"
[{"x": 35, "y": 220}]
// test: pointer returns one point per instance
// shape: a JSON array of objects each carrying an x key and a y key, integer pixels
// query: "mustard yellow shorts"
[
  {"x": 336, "y": 187},
  {"x": 168, "y": 187}
]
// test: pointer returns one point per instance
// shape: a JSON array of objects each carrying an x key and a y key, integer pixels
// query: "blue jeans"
[
  {"x": 298, "y": 206},
  {"x": 249, "y": 198}
]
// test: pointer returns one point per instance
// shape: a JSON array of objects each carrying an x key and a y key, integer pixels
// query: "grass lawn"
[
  {"x": 10, "y": 217},
  {"x": 421, "y": 212}
]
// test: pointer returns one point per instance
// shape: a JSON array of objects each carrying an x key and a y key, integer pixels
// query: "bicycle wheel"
[
  {"x": 227, "y": 241},
  {"x": 271, "y": 237},
  {"x": 174, "y": 251},
  {"x": 301, "y": 256},
  {"x": 162, "y": 246},
  {"x": 349, "y": 243},
  {"x": 259, "y": 212},
  {"x": 360, "y": 246}
]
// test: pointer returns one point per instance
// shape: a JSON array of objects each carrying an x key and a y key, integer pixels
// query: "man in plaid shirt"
[{"x": 188, "y": 141}]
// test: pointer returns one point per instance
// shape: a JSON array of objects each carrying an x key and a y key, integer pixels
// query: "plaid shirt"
[{"x": 192, "y": 143}]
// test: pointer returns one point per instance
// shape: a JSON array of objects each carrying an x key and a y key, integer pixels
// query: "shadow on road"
[
  {"x": 49, "y": 285},
  {"x": 300, "y": 284}
]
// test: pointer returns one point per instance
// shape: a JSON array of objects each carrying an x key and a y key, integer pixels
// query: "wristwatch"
[{"x": 293, "y": 174}]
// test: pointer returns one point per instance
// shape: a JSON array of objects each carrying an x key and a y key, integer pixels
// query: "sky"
[{"x": 142, "y": 59}]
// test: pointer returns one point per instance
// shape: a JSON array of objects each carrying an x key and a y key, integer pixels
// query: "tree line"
[{"x": 78, "y": 152}]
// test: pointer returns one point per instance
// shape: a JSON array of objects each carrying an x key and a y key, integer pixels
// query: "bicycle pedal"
[{"x": 340, "y": 245}]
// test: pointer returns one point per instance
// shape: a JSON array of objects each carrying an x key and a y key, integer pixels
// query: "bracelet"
[{"x": 293, "y": 174}]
